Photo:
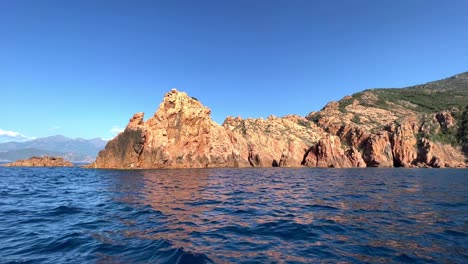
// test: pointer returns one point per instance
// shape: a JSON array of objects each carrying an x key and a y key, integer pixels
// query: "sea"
[{"x": 275, "y": 215}]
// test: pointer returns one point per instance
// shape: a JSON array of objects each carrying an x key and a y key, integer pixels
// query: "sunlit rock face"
[
  {"x": 374, "y": 128},
  {"x": 407, "y": 140},
  {"x": 328, "y": 153},
  {"x": 420, "y": 126},
  {"x": 180, "y": 134}
]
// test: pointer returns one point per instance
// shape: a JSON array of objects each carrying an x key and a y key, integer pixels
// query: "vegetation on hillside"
[{"x": 448, "y": 94}]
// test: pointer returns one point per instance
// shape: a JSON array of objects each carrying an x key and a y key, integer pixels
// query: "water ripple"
[{"x": 73, "y": 215}]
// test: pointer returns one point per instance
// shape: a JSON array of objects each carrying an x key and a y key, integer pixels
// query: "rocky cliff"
[
  {"x": 180, "y": 134},
  {"x": 421, "y": 126},
  {"x": 46, "y": 161}
]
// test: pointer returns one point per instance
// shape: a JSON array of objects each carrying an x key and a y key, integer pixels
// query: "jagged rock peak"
[
  {"x": 175, "y": 101},
  {"x": 136, "y": 120}
]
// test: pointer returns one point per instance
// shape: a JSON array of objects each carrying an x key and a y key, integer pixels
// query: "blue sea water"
[{"x": 75, "y": 215}]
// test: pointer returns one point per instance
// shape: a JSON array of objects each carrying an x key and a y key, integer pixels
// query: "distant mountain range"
[{"x": 74, "y": 150}]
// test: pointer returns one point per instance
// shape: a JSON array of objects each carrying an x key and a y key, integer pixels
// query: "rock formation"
[
  {"x": 374, "y": 128},
  {"x": 378, "y": 151},
  {"x": 45, "y": 161},
  {"x": 273, "y": 141},
  {"x": 399, "y": 127},
  {"x": 328, "y": 153},
  {"x": 180, "y": 134}
]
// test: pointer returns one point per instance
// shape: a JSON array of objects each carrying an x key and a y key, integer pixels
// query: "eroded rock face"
[
  {"x": 181, "y": 134},
  {"x": 328, "y": 153},
  {"x": 445, "y": 119},
  {"x": 439, "y": 156},
  {"x": 45, "y": 161},
  {"x": 404, "y": 142},
  {"x": 284, "y": 159},
  {"x": 378, "y": 151},
  {"x": 275, "y": 141},
  {"x": 254, "y": 158},
  {"x": 391, "y": 134},
  {"x": 124, "y": 150},
  {"x": 355, "y": 157}
]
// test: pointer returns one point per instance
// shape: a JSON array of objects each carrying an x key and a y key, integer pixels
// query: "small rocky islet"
[
  {"x": 420, "y": 126},
  {"x": 45, "y": 161}
]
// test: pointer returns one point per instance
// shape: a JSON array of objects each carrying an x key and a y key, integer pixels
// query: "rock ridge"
[{"x": 362, "y": 130}]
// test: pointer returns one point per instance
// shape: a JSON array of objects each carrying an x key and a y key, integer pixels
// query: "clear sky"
[{"x": 82, "y": 68}]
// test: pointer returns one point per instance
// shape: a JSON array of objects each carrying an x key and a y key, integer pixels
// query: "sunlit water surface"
[{"x": 74, "y": 215}]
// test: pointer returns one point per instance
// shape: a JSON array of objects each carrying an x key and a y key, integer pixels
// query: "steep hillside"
[
  {"x": 427, "y": 98},
  {"x": 430, "y": 115}
]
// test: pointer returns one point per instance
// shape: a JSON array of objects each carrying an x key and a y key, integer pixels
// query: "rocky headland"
[
  {"x": 419, "y": 126},
  {"x": 45, "y": 161}
]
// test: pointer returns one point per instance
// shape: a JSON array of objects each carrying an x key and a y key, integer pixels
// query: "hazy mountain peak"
[{"x": 74, "y": 149}]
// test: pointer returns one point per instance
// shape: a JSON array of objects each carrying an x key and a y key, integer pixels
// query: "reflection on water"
[
  {"x": 294, "y": 215},
  {"x": 234, "y": 215}
]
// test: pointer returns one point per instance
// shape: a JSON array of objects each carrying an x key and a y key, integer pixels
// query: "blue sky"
[{"x": 82, "y": 68}]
